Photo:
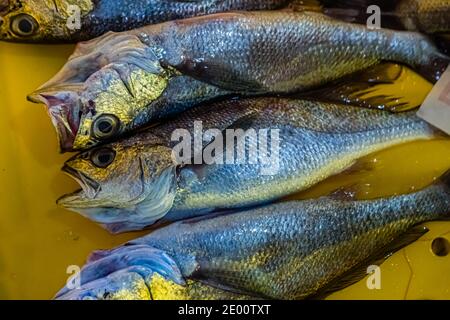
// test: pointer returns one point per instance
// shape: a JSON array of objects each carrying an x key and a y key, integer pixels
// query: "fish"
[
  {"x": 121, "y": 82},
  {"x": 227, "y": 155},
  {"x": 289, "y": 250},
  {"x": 67, "y": 21}
]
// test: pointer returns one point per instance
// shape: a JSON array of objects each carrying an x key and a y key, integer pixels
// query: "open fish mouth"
[
  {"x": 64, "y": 109},
  {"x": 89, "y": 189}
]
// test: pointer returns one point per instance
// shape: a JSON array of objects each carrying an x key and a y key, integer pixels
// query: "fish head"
[
  {"x": 41, "y": 20},
  {"x": 125, "y": 185},
  {"x": 106, "y": 100},
  {"x": 127, "y": 272},
  {"x": 64, "y": 108},
  {"x": 118, "y": 286}
]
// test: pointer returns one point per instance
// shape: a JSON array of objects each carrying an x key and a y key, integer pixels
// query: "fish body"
[
  {"x": 59, "y": 21},
  {"x": 300, "y": 143},
  {"x": 131, "y": 79},
  {"x": 290, "y": 250}
]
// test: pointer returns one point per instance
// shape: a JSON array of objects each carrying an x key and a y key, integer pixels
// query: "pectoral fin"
[{"x": 214, "y": 72}]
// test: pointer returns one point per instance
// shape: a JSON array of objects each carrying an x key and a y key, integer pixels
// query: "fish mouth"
[
  {"x": 64, "y": 109},
  {"x": 82, "y": 197}
]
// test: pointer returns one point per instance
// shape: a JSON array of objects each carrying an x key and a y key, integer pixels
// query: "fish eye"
[
  {"x": 105, "y": 126},
  {"x": 24, "y": 25},
  {"x": 103, "y": 157}
]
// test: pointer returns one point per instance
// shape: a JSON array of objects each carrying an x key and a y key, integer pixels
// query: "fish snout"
[{"x": 64, "y": 109}]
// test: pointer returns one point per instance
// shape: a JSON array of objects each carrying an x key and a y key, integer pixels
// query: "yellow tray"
[{"x": 38, "y": 240}]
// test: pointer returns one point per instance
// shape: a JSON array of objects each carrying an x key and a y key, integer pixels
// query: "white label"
[{"x": 436, "y": 108}]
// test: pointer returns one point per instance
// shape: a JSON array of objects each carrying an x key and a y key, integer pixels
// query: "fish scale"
[
  {"x": 306, "y": 157},
  {"x": 253, "y": 42}
]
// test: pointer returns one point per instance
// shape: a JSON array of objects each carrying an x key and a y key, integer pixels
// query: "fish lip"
[
  {"x": 64, "y": 129},
  {"x": 71, "y": 200},
  {"x": 65, "y": 117},
  {"x": 89, "y": 188}
]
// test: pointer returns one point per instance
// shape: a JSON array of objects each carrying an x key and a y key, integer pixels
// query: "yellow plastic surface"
[{"x": 38, "y": 240}]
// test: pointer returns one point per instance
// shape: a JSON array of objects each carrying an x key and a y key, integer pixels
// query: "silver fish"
[
  {"x": 120, "y": 82},
  {"x": 134, "y": 182}
]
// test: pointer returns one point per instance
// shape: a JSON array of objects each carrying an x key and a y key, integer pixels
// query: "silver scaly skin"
[
  {"x": 126, "y": 80},
  {"x": 134, "y": 182},
  {"x": 290, "y": 250}
]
